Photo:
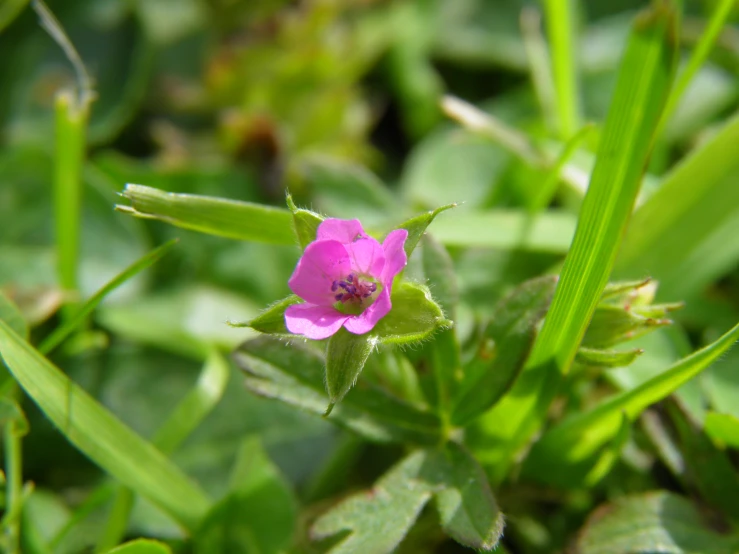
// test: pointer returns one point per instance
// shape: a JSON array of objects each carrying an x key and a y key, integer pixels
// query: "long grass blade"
[
  {"x": 641, "y": 90},
  {"x": 100, "y": 435}
]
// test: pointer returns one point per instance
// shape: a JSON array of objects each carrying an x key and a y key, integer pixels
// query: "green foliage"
[
  {"x": 379, "y": 518},
  {"x": 655, "y": 520},
  {"x": 508, "y": 359},
  {"x": 257, "y": 514},
  {"x": 101, "y": 436},
  {"x": 217, "y": 216}
]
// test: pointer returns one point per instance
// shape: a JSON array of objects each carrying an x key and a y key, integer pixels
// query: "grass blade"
[
  {"x": 64, "y": 330},
  {"x": 672, "y": 236},
  {"x": 641, "y": 89},
  {"x": 100, "y": 435},
  {"x": 565, "y": 451},
  {"x": 700, "y": 53},
  {"x": 560, "y": 27},
  {"x": 198, "y": 403},
  {"x": 215, "y": 216}
]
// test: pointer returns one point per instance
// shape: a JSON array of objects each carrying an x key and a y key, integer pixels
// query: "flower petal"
[
  {"x": 365, "y": 322},
  {"x": 367, "y": 256},
  {"x": 395, "y": 257},
  {"x": 313, "y": 322},
  {"x": 322, "y": 263},
  {"x": 343, "y": 230}
]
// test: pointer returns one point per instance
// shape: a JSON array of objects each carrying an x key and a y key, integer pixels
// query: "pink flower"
[{"x": 345, "y": 278}]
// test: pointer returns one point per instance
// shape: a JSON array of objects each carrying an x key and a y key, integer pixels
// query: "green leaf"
[
  {"x": 346, "y": 355},
  {"x": 257, "y": 515},
  {"x": 272, "y": 320},
  {"x": 78, "y": 317},
  {"x": 141, "y": 546},
  {"x": 641, "y": 88},
  {"x": 682, "y": 235},
  {"x": 607, "y": 358},
  {"x": 438, "y": 269},
  {"x": 295, "y": 375},
  {"x": 305, "y": 223},
  {"x": 708, "y": 469},
  {"x": 467, "y": 508},
  {"x": 378, "y": 519},
  {"x": 215, "y": 216},
  {"x": 414, "y": 316},
  {"x": 416, "y": 227},
  {"x": 11, "y": 315},
  {"x": 723, "y": 429},
  {"x": 100, "y": 435},
  {"x": 549, "y": 231},
  {"x": 504, "y": 346},
  {"x": 566, "y": 452},
  {"x": 657, "y": 521}
]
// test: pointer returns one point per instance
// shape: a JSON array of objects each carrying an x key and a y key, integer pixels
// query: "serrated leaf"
[
  {"x": 272, "y": 320},
  {"x": 504, "y": 347},
  {"x": 207, "y": 214},
  {"x": 416, "y": 227},
  {"x": 653, "y": 522},
  {"x": 413, "y": 317},
  {"x": 607, "y": 358},
  {"x": 305, "y": 223},
  {"x": 141, "y": 546},
  {"x": 100, "y": 435},
  {"x": 567, "y": 451},
  {"x": 467, "y": 508},
  {"x": 295, "y": 375},
  {"x": 346, "y": 355},
  {"x": 257, "y": 515},
  {"x": 379, "y": 518}
]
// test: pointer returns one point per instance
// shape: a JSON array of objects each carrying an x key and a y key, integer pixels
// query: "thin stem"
[
  {"x": 14, "y": 486},
  {"x": 539, "y": 65}
]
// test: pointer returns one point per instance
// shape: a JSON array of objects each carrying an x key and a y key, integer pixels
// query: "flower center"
[{"x": 354, "y": 291}]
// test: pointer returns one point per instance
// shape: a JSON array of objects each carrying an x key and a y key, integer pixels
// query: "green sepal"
[
  {"x": 305, "y": 223},
  {"x": 607, "y": 358},
  {"x": 345, "y": 357},
  {"x": 414, "y": 316},
  {"x": 272, "y": 320},
  {"x": 416, "y": 227},
  {"x": 613, "y": 324}
]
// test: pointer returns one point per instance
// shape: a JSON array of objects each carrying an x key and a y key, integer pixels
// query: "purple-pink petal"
[
  {"x": 366, "y": 321},
  {"x": 343, "y": 230},
  {"x": 322, "y": 263},
  {"x": 367, "y": 256},
  {"x": 395, "y": 256},
  {"x": 313, "y": 322}
]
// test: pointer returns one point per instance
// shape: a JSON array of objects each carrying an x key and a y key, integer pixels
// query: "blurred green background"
[{"x": 337, "y": 101}]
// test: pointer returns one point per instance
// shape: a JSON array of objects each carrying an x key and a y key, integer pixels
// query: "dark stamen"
[{"x": 334, "y": 286}]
